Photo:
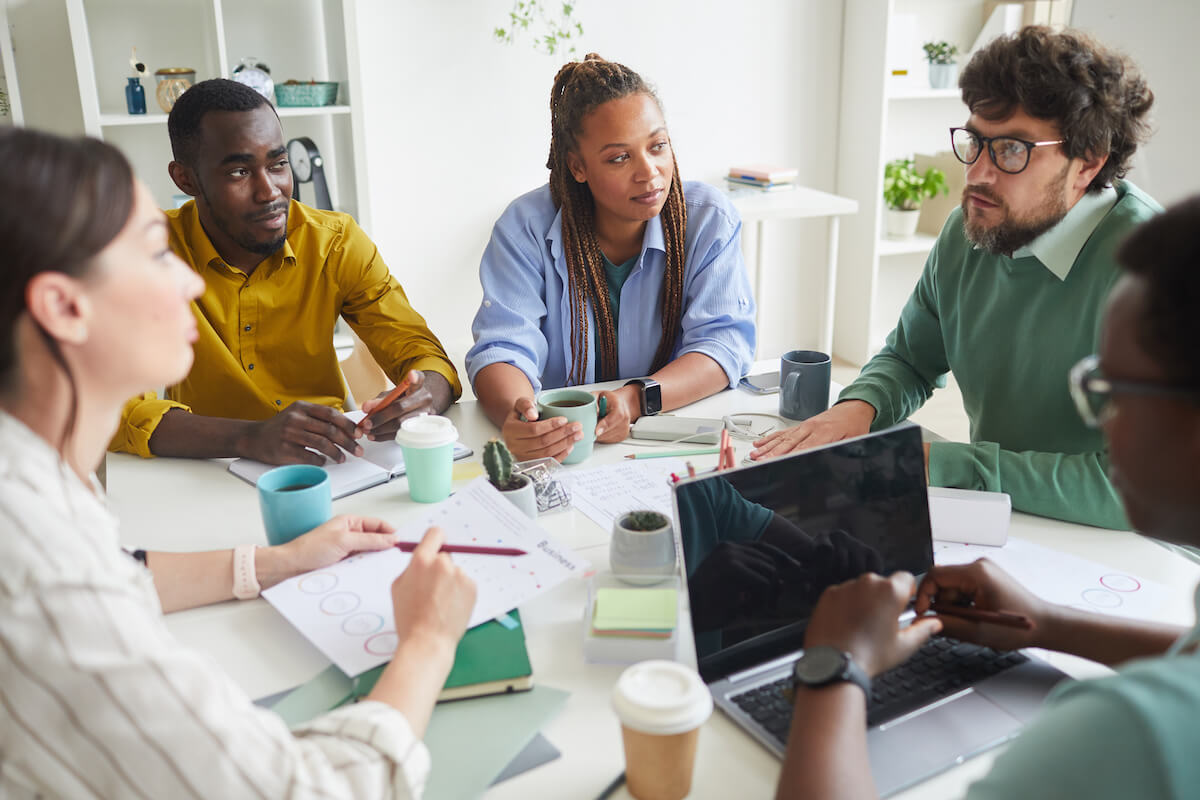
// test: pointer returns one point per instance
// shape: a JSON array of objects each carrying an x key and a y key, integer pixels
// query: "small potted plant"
[
  {"x": 943, "y": 69},
  {"x": 904, "y": 189},
  {"x": 642, "y": 550},
  {"x": 498, "y": 461}
]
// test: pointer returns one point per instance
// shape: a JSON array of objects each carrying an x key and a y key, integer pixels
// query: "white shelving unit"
[
  {"x": 298, "y": 39},
  {"x": 884, "y": 117},
  {"x": 9, "y": 76}
]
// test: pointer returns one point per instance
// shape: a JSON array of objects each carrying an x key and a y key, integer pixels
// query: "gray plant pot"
[
  {"x": 524, "y": 497},
  {"x": 942, "y": 76},
  {"x": 642, "y": 557}
]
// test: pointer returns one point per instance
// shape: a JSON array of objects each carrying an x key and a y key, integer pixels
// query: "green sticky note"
[{"x": 635, "y": 609}]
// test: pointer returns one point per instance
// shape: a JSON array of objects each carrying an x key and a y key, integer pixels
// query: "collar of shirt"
[
  {"x": 204, "y": 253},
  {"x": 652, "y": 239},
  {"x": 1058, "y": 247}
]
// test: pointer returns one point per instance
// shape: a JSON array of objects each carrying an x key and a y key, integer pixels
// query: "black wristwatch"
[
  {"x": 824, "y": 665},
  {"x": 651, "y": 395}
]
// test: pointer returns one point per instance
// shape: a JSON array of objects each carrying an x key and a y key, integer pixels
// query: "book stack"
[{"x": 763, "y": 177}]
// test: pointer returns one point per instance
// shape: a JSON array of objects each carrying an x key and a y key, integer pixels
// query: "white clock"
[{"x": 308, "y": 166}]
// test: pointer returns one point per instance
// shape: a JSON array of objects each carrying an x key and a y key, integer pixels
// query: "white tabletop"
[
  {"x": 171, "y": 504},
  {"x": 801, "y": 201}
]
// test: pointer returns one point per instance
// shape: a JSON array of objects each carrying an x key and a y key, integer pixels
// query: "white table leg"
[
  {"x": 826, "y": 333},
  {"x": 759, "y": 264}
]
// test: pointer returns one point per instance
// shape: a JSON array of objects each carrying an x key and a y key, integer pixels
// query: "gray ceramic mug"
[{"x": 803, "y": 384}]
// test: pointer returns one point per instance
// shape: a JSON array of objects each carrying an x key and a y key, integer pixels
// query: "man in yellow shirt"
[{"x": 266, "y": 382}]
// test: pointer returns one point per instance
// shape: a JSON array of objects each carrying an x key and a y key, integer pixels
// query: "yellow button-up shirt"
[{"x": 266, "y": 339}]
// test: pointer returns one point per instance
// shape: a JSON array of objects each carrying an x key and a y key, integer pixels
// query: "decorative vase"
[
  {"x": 172, "y": 82},
  {"x": 902, "y": 224},
  {"x": 942, "y": 76},
  {"x": 135, "y": 96},
  {"x": 642, "y": 558},
  {"x": 523, "y": 497}
]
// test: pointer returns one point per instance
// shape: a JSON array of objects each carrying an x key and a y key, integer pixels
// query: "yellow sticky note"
[
  {"x": 635, "y": 609},
  {"x": 466, "y": 470}
]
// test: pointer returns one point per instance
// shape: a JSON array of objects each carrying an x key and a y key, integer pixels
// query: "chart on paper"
[
  {"x": 605, "y": 493},
  {"x": 346, "y": 609}
]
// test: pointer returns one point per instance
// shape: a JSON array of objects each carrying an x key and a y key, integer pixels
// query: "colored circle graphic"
[
  {"x": 382, "y": 644},
  {"x": 339, "y": 603},
  {"x": 318, "y": 583},
  {"x": 1120, "y": 583},
  {"x": 362, "y": 624}
]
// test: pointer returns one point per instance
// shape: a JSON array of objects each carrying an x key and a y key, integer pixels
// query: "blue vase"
[{"x": 135, "y": 96}]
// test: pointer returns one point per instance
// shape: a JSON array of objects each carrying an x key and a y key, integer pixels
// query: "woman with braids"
[
  {"x": 96, "y": 697},
  {"x": 614, "y": 269}
]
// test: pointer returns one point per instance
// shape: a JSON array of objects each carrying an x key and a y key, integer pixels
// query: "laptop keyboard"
[{"x": 939, "y": 669}]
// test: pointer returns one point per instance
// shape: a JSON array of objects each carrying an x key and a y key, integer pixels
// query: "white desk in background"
[
  {"x": 801, "y": 202},
  {"x": 174, "y": 504}
]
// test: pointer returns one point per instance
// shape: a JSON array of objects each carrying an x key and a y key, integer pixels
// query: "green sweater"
[{"x": 1010, "y": 331}]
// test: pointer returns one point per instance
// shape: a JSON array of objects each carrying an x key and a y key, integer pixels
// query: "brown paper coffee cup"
[{"x": 659, "y": 767}]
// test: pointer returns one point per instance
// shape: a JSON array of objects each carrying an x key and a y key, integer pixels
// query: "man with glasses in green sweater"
[{"x": 1011, "y": 295}]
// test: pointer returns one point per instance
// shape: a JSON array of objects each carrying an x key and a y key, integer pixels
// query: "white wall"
[
  {"x": 458, "y": 125},
  {"x": 1161, "y": 37}
]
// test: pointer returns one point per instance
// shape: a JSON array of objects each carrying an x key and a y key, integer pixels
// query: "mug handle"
[{"x": 789, "y": 383}]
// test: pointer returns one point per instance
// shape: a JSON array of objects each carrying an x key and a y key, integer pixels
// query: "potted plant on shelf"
[
  {"x": 498, "y": 461},
  {"x": 943, "y": 69},
  {"x": 904, "y": 189},
  {"x": 642, "y": 549}
]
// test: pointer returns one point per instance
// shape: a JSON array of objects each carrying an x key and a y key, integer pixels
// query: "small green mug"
[{"x": 577, "y": 405}]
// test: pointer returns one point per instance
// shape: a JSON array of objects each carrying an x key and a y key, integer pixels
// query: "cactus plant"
[
  {"x": 498, "y": 461},
  {"x": 643, "y": 521}
]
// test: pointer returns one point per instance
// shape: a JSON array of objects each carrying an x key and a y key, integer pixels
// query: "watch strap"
[{"x": 245, "y": 578}]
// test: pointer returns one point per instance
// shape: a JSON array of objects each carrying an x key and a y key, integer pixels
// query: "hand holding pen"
[
  {"x": 981, "y": 603},
  {"x": 389, "y": 409}
]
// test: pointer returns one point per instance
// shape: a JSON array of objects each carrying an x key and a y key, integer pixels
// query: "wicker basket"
[{"x": 320, "y": 93}]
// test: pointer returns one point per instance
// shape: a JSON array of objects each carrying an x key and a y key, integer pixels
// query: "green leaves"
[
  {"x": 940, "y": 52},
  {"x": 552, "y": 31},
  {"x": 904, "y": 188}
]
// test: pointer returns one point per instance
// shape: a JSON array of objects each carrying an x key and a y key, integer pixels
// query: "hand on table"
[
  {"x": 326, "y": 544},
  {"x": 286, "y": 437},
  {"x": 623, "y": 409},
  {"x": 433, "y": 597},
  {"x": 983, "y": 585},
  {"x": 844, "y": 420},
  {"x": 529, "y": 437},
  {"x": 382, "y": 421},
  {"x": 859, "y": 617}
]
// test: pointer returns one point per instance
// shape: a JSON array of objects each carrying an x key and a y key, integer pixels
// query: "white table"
[
  {"x": 758, "y": 206},
  {"x": 184, "y": 505}
]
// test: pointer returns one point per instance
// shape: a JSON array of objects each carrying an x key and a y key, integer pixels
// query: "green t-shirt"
[
  {"x": 616, "y": 275},
  {"x": 1010, "y": 329}
]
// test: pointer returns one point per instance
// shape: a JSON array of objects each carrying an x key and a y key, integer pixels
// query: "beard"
[
  {"x": 1012, "y": 232},
  {"x": 256, "y": 246}
]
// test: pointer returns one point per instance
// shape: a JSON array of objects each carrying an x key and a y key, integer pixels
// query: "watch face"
[
  {"x": 653, "y": 397},
  {"x": 820, "y": 665},
  {"x": 298, "y": 156}
]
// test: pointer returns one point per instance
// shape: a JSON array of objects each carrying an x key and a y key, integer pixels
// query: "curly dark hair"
[
  {"x": 216, "y": 94},
  {"x": 1097, "y": 97},
  {"x": 1165, "y": 251}
]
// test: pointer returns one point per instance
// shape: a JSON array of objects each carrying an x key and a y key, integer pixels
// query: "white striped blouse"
[{"x": 98, "y": 700}]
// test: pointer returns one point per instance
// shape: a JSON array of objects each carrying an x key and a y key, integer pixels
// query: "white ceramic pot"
[
  {"x": 523, "y": 498},
  {"x": 642, "y": 557},
  {"x": 902, "y": 224},
  {"x": 942, "y": 76}
]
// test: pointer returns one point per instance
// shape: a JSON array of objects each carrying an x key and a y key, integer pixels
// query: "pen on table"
[
  {"x": 1005, "y": 618},
  {"x": 697, "y": 451},
  {"x": 612, "y": 787},
  {"x": 469, "y": 549}
]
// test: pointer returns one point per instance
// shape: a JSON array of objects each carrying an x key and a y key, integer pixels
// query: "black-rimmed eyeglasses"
[
  {"x": 1092, "y": 392},
  {"x": 1008, "y": 153}
]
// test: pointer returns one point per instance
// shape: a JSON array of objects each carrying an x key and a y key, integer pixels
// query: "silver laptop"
[{"x": 759, "y": 545}]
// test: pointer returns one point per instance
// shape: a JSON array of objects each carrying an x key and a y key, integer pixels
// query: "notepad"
[
  {"x": 379, "y": 463},
  {"x": 649, "y": 613}
]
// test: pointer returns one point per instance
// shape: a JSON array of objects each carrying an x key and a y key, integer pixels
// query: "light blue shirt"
[
  {"x": 525, "y": 316},
  {"x": 1059, "y": 247}
]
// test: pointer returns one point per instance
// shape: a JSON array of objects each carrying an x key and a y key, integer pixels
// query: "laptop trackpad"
[{"x": 936, "y": 740}]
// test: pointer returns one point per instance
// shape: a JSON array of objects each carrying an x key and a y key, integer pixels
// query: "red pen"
[{"x": 468, "y": 549}]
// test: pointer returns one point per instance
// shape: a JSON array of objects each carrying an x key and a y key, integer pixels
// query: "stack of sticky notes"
[
  {"x": 635, "y": 613},
  {"x": 765, "y": 177}
]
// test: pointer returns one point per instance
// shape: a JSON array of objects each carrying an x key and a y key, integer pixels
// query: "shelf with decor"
[{"x": 309, "y": 43}]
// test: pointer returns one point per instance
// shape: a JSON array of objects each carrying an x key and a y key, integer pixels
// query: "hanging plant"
[{"x": 551, "y": 32}]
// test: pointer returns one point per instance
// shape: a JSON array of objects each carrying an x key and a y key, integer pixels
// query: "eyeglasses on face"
[
  {"x": 1008, "y": 153},
  {"x": 1093, "y": 393}
]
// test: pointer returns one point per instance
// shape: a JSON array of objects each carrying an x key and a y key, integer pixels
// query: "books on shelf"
[{"x": 764, "y": 177}]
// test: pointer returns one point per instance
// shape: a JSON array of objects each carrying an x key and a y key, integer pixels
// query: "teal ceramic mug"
[
  {"x": 294, "y": 499},
  {"x": 577, "y": 405}
]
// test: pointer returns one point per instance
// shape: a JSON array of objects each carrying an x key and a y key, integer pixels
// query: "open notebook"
[{"x": 379, "y": 463}]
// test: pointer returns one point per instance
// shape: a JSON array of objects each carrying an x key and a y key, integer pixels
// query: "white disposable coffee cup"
[{"x": 661, "y": 706}]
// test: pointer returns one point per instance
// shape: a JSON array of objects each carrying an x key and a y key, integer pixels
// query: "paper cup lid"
[
  {"x": 661, "y": 698},
  {"x": 426, "y": 430}
]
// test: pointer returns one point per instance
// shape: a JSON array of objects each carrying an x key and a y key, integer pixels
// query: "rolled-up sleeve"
[
  {"x": 139, "y": 419},
  {"x": 507, "y": 326}
]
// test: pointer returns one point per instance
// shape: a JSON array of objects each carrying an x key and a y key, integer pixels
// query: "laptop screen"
[{"x": 760, "y": 543}]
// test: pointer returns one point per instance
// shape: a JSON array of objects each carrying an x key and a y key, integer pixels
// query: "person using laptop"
[
  {"x": 1012, "y": 291},
  {"x": 97, "y": 699},
  {"x": 1130, "y": 735},
  {"x": 266, "y": 383}
]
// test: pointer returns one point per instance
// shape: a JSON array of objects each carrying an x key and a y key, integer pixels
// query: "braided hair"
[{"x": 579, "y": 88}]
